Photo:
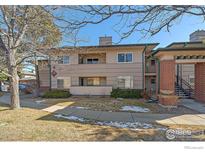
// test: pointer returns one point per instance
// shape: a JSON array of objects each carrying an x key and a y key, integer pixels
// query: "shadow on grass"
[
  {"x": 7, "y": 107},
  {"x": 94, "y": 132}
]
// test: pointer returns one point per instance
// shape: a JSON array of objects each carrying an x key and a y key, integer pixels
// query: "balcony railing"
[
  {"x": 90, "y": 90},
  {"x": 151, "y": 69},
  {"x": 92, "y": 63}
]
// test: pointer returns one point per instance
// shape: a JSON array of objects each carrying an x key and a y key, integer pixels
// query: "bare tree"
[
  {"x": 23, "y": 29},
  {"x": 147, "y": 19}
]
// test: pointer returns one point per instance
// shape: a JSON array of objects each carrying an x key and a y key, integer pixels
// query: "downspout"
[
  {"x": 158, "y": 75},
  {"x": 143, "y": 67},
  {"x": 37, "y": 87},
  {"x": 49, "y": 67}
]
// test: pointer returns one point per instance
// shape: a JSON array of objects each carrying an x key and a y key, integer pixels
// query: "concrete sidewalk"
[
  {"x": 166, "y": 119},
  {"x": 25, "y": 100},
  {"x": 194, "y": 105}
]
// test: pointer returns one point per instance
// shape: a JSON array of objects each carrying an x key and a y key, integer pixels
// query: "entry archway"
[{"x": 181, "y": 53}]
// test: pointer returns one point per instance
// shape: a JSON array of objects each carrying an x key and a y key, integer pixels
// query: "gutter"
[
  {"x": 143, "y": 67},
  {"x": 158, "y": 75},
  {"x": 50, "y": 77}
]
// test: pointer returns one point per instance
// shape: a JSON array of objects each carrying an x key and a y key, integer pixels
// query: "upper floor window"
[
  {"x": 152, "y": 62},
  {"x": 124, "y": 57},
  {"x": 63, "y": 60},
  {"x": 92, "y": 61}
]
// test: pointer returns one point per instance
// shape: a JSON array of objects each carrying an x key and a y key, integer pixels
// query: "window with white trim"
[
  {"x": 125, "y": 82},
  {"x": 191, "y": 79},
  {"x": 63, "y": 83},
  {"x": 124, "y": 57},
  {"x": 63, "y": 59}
]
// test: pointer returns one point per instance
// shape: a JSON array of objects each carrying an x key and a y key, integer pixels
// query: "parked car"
[
  {"x": 4, "y": 86},
  {"x": 25, "y": 88}
]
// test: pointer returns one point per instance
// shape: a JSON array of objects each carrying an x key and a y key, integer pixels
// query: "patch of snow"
[
  {"x": 74, "y": 118},
  {"x": 3, "y": 124},
  {"x": 120, "y": 99},
  {"x": 79, "y": 107},
  {"x": 136, "y": 126},
  {"x": 40, "y": 101},
  {"x": 135, "y": 109},
  {"x": 131, "y": 125}
]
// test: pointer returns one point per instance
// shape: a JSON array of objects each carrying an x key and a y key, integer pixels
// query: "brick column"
[
  {"x": 167, "y": 75},
  {"x": 200, "y": 82}
]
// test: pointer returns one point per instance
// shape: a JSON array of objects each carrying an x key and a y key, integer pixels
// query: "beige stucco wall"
[
  {"x": 111, "y": 70},
  {"x": 43, "y": 73}
]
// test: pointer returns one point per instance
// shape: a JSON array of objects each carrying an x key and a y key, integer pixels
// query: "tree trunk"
[
  {"x": 13, "y": 76},
  {"x": 14, "y": 79},
  {"x": 14, "y": 88}
]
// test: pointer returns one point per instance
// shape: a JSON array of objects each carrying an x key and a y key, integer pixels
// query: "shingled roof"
[{"x": 183, "y": 46}]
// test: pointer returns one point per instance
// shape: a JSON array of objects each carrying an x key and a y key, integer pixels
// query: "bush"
[
  {"x": 57, "y": 94},
  {"x": 126, "y": 93}
]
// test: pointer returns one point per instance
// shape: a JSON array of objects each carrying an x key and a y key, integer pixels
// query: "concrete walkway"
[
  {"x": 192, "y": 104},
  {"x": 25, "y": 100},
  {"x": 166, "y": 119}
]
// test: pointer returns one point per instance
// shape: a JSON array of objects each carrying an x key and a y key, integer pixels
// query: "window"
[
  {"x": 125, "y": 82},
  {"x": 60, "y": 83},
  {"x": 121, "y": 57},
  {"x": 63, "y": 60},
  {"x": 63, "y": 83},
  {"x": 153, "y": 81},
  {"x": 92, "y": 61},
  {"x": 152, "y": 62},
  {"x": 92, "y": 81},
  {"x": 124, "y": 57},
  {"x": 191, "y": 79}
]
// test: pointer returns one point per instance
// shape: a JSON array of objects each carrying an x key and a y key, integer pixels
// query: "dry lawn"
[
  {"x": 112, "y": 104},
  {"x": 96, "y": 102},
  {"x": 36, "y": 125}
]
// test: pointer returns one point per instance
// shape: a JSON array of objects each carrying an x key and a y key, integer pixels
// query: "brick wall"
[
  {"x": 200, "y": 82},
  {"x": 167, "y": 75}
]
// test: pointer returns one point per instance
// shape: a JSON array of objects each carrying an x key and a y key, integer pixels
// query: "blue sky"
[{"x": 179, "y": 32}]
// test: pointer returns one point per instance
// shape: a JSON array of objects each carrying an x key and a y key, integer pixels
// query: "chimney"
[
  {"x": 198, "y": 35},
  {"x": 106, "y": 40}
]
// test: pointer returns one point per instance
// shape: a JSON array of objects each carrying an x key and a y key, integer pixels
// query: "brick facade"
[
  {"x": 167, "y": 75},
  {"x": 200, "y": 82}
]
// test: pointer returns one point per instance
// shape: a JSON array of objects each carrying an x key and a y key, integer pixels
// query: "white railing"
[{"x": 90, "y": 90}]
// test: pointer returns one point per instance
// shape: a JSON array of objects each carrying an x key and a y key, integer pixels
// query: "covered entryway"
[{"x": 176, "y": 54}]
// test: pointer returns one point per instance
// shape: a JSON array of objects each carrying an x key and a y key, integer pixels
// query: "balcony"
[
  {"x": 92, "y": 58},
  {"x": 92, "y": 81},
  {"x": 90, "y": 90},
  {"x": 150, "y": 69}
]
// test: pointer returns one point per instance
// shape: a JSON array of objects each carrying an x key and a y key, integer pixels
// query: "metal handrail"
[{"x": 185, "y": 86}]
